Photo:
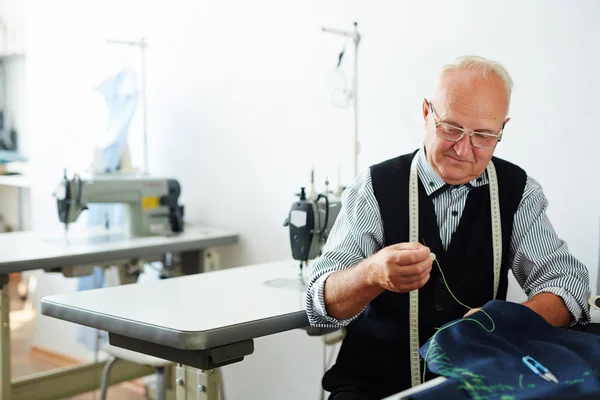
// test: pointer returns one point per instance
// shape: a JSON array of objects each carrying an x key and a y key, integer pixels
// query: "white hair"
[{"x": 482, "y": 66}]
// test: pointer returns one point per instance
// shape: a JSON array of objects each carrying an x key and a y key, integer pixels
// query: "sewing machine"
[
  {"x": 310, "y": 221},
  {"x": 153, "y": 202}
]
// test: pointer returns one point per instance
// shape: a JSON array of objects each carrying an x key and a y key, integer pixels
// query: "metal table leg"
[
  {"x": 197, "y": 384},
  {"x": 5, "y": 376},
  {"x": 192, "y": 262}
]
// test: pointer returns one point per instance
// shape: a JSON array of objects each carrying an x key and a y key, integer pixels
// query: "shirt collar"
[{"x": 431, "y": 180}]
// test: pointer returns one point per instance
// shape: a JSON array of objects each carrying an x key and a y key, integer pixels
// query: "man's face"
[{"x": 465, "y": 101}]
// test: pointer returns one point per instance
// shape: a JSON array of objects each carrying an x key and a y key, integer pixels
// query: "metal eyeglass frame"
[{"x": 464, "y": 132}]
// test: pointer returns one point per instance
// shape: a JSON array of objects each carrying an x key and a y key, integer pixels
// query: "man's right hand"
[{"x": 401, "y": 267}]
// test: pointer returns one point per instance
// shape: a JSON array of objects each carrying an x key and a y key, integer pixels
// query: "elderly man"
[{"x": 480, "y": 215}]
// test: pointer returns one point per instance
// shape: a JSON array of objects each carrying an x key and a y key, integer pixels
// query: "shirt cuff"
[
  {"x": 580, "y": 313},
  {"x": 319, "y": 302}
]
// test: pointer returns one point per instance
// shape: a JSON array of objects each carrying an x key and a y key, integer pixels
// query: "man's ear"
[
  {"x": 505, "y": 122},
  {"x": 425, "y": 110}
]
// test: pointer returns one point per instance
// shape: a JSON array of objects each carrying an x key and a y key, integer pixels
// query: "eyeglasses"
[{"x": 453, "y": 133}]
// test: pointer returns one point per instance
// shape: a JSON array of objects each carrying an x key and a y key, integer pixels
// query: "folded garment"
[{"x": 483, "y": 359}]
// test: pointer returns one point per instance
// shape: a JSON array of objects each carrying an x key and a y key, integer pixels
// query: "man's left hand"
[{"x": 472, "y": 311}]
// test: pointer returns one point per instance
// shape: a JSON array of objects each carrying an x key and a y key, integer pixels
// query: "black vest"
[{"x": 375, "y": 354}]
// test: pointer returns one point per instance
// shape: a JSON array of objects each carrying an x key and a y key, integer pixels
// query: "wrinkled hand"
[
  {"x": 473, "y": 311},
  {"x": 402, "y": 267}
]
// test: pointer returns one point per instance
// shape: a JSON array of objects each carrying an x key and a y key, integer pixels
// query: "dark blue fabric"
[{"x": 488, "y": 365}]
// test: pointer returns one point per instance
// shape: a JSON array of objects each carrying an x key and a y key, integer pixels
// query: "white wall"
[
  {"x": 239, "y": 110},
  {"x": 13, "y": 71}
]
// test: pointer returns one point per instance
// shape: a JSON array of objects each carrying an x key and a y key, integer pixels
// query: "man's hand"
[
  {"x": 549, "y": 306},
  {"x": 401, "y": 267},
  {"x": 472, "y": 311}
]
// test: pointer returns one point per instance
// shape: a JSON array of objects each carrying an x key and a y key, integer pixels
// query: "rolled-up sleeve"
[
  {"x": 542, "y": 261},
  {"x": 356, "y": 234}
]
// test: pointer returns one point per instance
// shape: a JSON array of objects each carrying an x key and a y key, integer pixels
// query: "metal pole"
[
  {"x": 356, "y": 39},
  {"x": 356, "y": 142},
  {"x": 144, "y": 118},
  {"x": 161, "y": 384}
]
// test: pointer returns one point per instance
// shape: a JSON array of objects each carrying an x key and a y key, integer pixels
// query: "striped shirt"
[{"x": 539, "y": 259}]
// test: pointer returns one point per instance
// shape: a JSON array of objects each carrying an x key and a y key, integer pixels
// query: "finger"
[
  {"x": 408, "y": 257},
  {"x": 407, "y": 246},
  {"x": 408, "y": 287},
  {"x": 416, "y": 269},
  {"x": 413, "y": 279},
  {"x": 473, "y": 311}
]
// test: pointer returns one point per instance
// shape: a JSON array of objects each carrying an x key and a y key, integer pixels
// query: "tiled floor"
[{"x": 24, "y": 362}]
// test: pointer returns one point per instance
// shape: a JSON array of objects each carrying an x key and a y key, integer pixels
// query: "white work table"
[
  {"x": 24, "y": 251},
  {"x": 201, "y": 321},
  {"x": 195, "y": 312},
  {"x": 405, "y": 394}
]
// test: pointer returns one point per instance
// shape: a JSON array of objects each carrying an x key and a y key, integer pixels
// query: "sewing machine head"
[
  {"x": 310, "y": 221},
  {"x": 153, "y": 202}
]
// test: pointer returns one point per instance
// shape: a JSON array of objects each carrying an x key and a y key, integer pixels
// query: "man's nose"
[{"x": 464, "y": 147}]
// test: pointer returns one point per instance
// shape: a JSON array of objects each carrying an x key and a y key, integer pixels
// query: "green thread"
[
  {"x": 458, "y": 301},
  {"x": 574, "y": 381},
  {"x": 455, "y": 322}
]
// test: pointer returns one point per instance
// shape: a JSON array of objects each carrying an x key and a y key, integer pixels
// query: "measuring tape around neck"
[{"x": 413, "y": 200}]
